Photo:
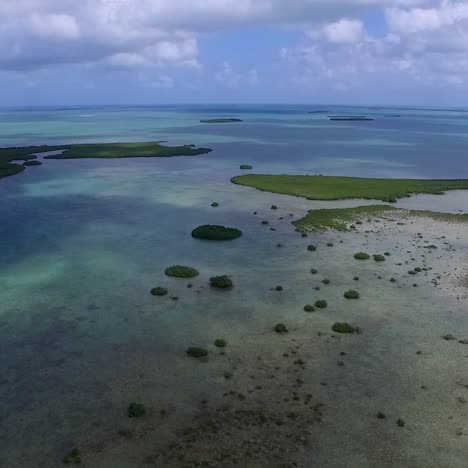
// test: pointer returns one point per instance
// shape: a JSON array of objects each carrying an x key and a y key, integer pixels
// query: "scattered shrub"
[
  {"x": 197, "y": 352},
  {"x": 343, "y": 327},
  {"x": 279, "y": 288},
  {"x": 215, "y": 204},
  {"x": 274, "y": 207},
  {"x": 220, "y": 343},
  {"x": 215, "y": 232},
  {"x": 351, "y": 294},
  {"x": 311, "y": 248},
  {"x": 313, "y": 271},
  {"x": 73, "y": 457},
  {"x": 309, "y": 308},
  {"x": 159, "y": 291},
  {"x": 136, "y": 410},
  {"x": 281, "y": 328},
  {"x": 361, "y": 256},
  {"x": 246, "y": 167},
  {"x": 321, "y": 304},
  {"x": 221, "y": 282},
  {"x": 379, "y": 258},
  {"x": 180, "y": 271}
]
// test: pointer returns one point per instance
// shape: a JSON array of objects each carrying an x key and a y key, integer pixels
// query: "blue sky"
[{"x": 63, "y": 52}]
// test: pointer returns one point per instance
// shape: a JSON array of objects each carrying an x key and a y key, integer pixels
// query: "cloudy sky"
[{"x": 187, "y": 51}]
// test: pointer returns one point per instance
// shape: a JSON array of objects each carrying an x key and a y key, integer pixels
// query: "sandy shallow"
[{"x": 81, "y": 337}]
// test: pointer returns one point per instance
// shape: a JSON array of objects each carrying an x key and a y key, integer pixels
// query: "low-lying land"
[
  {"x": 152, "y": 149},
  {"x": 339, "y": 188},
  {"x": 342, "y": 219},
  {"x": 229, "y": 120},
  {"x": 350, "y": 118}
]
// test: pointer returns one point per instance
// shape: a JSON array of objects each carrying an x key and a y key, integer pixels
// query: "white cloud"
[
  {"x": 37, "y": 33},
  {"x": 341, "y": 32},
  {"x": 423, "y": 46},
  {"x": 232, "y": 79}
]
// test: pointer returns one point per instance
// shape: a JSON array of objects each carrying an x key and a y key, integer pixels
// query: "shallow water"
[{"x": 84, "y": 241}]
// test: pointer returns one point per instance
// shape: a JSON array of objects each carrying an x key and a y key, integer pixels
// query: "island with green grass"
[
  {"x": 350, "y": 118},
  {"x": 340, "y": 188},
  {"x": 151, "y": 149},
  {"x": 343, "y": 219},
  {"x": 221, "y": 121}
]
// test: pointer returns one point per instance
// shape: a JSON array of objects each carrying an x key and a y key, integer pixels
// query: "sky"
[{"x": 93, "y": 52}]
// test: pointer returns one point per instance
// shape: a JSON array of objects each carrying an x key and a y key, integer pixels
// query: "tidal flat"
[{"x": 83, "y": 339}]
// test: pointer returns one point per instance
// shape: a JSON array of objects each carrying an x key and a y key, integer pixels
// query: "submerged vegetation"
[
  {"x": 215, "y": 232},
  {"x": 180, "y": 271},
  {"x": 246, "y": 167},
  {"x": 339, "y": 188}
]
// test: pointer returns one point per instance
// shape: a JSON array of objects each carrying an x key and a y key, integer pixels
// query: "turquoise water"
[{"x": 84, "y": 241}]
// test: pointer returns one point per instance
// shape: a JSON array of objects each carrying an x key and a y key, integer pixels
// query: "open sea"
[{"x": 84, "y": 241}]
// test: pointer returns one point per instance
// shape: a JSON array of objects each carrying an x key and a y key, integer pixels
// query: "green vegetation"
[
  {"x": 379, "y": 258},
  {"x": 309, "y": 308},
  {"x": 215, "y": 204},
  {"x": 229, "y": 120},
  {"x": 73, "y": 457},
  {"x": 159, "y": 291},
  {"x": 338, "y": 188},
  {"x": 351, "y": 294},
  {"x": 152, "y": 149},
  {"x": 350, "y": 118},
  {"x": 92, "y": 150},
  {"x": 32, "y": 162},
  {"x": 221, "y": 282},
  {"x": 361, "y": 256},
  {"x": 281, "y": 328},
  {"x": 215, "y": 232},
  {"x": 180, "y": 271},
  {"x": 321, "y": 304},
  {"x": 339, "y": 218},
  {"x": 313, "y": 271},
  {"x": 10, "y": 169},
  {"x": 343, "y": 327},
  {"x": 136, "y": 410},
  {"x": 220, "y": 343},
  {"x": 311, "y": 248},
  {"x": 246, "y": 167},
  {"x": 197, "y": 352}
]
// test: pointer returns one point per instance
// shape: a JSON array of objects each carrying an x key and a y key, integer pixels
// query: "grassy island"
[
  {"x": 152, "y": 149},
  {"x": 341, "y": 219},
  {"x": 213, "y": 121},
  {"x": 350, "y": 118},
  {"x": 339, "y": 188}
]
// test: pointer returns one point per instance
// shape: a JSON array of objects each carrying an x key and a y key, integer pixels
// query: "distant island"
[
  {"x": 350, "y": 118},
  {"x": 152, "y": 149},
  {"x": 319, "y": 112},
  {"x": 213, "y": 121}
]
